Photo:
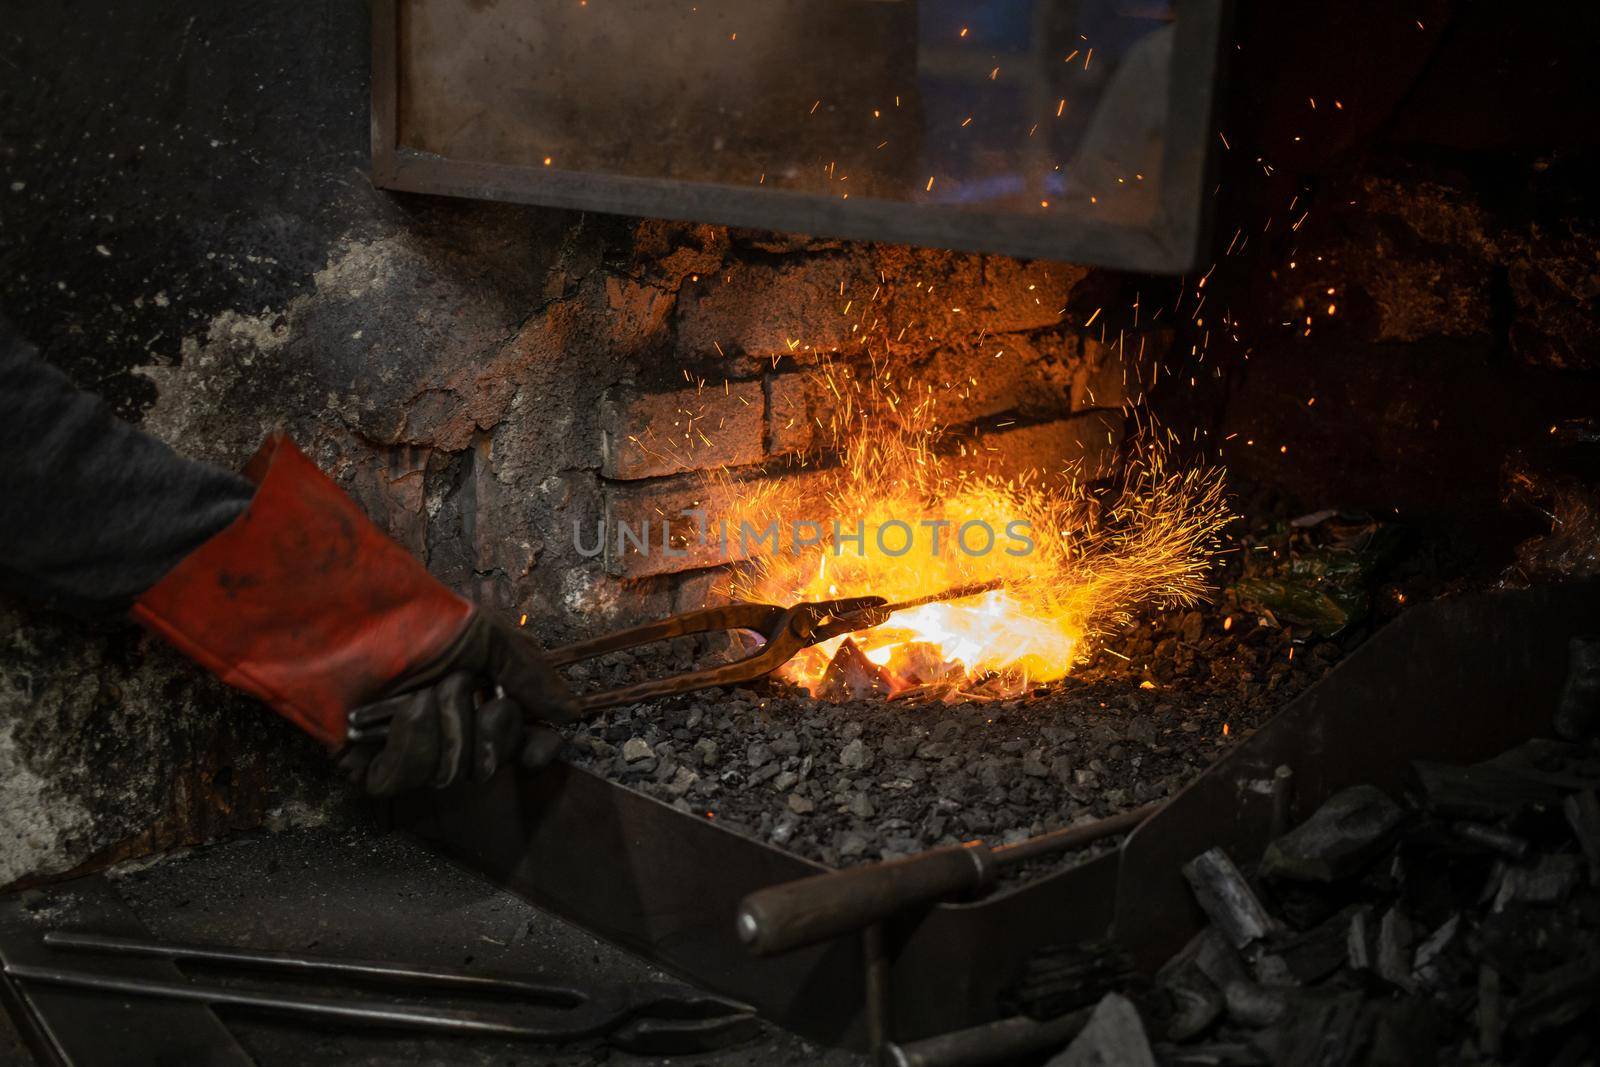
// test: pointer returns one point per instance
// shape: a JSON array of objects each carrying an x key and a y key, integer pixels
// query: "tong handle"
[
  {"x": 779, "y": 648},
  {"x": 303, "y": 963},
  {"x": 812, "y": 909},
  {"x": 741, "y": 616}
]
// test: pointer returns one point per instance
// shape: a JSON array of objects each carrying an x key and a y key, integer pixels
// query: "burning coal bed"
[{"x": 859, "y": 780}]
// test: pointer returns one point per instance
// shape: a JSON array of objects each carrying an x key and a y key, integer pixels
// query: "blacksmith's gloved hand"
[
  {"x": 462, "y": 716},
  {"x": 304, "y": 603}
]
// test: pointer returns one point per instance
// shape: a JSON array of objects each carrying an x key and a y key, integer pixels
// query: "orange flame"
[{"x": 1097, "y": 550}]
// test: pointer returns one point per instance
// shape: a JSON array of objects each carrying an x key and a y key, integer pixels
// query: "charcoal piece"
[
  {"x": 855, "y": 756},
  {"x": 1227, "y": 898},
  {"x": 1255, "y": 1005},
  {"x": 1312, "y": 956},
  {"x": 1398, "y": 1033},
  {"x": 636, "y": 749},
  {"x": 1214, "y": 1054},
  {"x": 1578, "y": 711},
  {"x": 1338, "y": 840},
  {"x": 1270, "y": 969},
  {"x": 1583, "y": 815},
  {"x": 852, "y": 676},
  {"x": 1558, "y": 763},
  {"x": 1491, "y": 1012},
  {"x": 682, "y": 781},
  {"x": 1549, "y": 881},
  {"x": 1493, "y": 839},
  {"x": 1193, "y": 1002},
  {"x": 1322, "y": 1032},
  {"x": 1394, "y": 954},
  {"x": 1485, "y": 792},
  {"x": 1058, "y": 978},
  {"x": 1210, "y": 951},
  {"x": 1557, "y": 998},
  {"x": 1429, "y": 967},
  {"x": 1492, "y": 883},
  {"x": 784, "y": 830},
  {"x": 1114, "y": 1037},
  {"x": 1306, "y": 905},
  {"x": 1575, "y": 1051},
  {"x": 1362, "y": 939}
]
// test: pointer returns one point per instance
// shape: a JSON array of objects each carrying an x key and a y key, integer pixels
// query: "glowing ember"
[{"x": 910, "y": 511}]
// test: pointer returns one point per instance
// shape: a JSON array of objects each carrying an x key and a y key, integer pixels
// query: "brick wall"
[{"x": 990, "y": 338}]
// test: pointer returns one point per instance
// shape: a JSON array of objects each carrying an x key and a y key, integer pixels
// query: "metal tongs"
[
  {"x": 649, "y": 1017},
  {"x": 784, "y": 632}
]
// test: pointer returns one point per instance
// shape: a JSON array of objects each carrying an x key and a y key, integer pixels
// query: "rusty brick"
[
  {"x": 665, "y": 502},
  {"x": 1038, "y": 378},
  {"x": 1026, "y": 295},
  {"x": 790, "y": 425},
  {"x": 930, "y": 297},
  {"x": 700, "y": 589},
  {"x": 1086, "y": 443},
  {"x": 668, "y": 253},
  {"x": 947, "y": 296},
  {"x": 635, "y": 310},
  {"x": 647, "y": 435},
  {"x": 828, "y": 303},
  {"x": 1005, "y": 374},
  {"x": 766, "y": 312}
]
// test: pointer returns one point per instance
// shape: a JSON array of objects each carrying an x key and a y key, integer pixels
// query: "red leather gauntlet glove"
[{"x": 304, "y": 603}]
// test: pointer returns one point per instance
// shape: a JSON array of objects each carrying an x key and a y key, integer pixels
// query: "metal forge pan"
[{"x": 1455, "y": 680}]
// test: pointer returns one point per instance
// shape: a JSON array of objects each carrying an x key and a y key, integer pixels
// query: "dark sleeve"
[{"x": 92, "y": 511}]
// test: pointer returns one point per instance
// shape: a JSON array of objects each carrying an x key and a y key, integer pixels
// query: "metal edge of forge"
[
  {"x": 1457, "y": 679},
  {"x": 1173, "y": 243}
]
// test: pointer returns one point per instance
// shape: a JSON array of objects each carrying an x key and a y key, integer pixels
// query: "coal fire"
[{"x": 1065, "y": 555}]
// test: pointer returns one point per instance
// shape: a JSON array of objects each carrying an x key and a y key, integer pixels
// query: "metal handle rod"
[
  {"x": 805, "y": 911},
  {"x": 756, "y": 617},
  {"x": 1071, "y": 837},
  {"x": 304, "y": 964},
  {"x": 343, "y": 1009},
  {"x": 960, "y": 592}
]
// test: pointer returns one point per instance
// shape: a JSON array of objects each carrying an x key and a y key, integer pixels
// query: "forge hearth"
[
  {"x": 846, "y": 782},
  {"x": 1457, "y": 680}
]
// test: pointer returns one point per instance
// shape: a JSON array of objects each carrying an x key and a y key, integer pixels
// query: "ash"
[{"x": 870, "y": 779}]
